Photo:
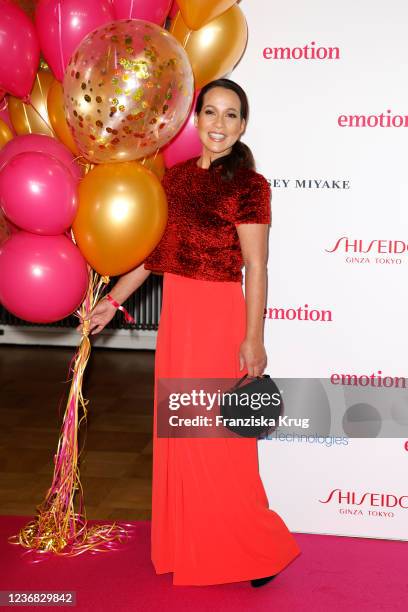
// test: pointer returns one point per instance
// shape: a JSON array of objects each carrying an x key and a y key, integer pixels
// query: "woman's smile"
[{"x": 217, "y": 137}]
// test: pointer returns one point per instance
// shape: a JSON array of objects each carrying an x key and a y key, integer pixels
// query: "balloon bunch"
[{"x": 85, "y": 134}]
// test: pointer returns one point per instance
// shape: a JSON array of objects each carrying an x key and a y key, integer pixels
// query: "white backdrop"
[{"x": 294, "y": 133}]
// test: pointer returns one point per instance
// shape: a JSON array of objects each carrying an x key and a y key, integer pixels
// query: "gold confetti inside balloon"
[{"x": 127, "y": 90}]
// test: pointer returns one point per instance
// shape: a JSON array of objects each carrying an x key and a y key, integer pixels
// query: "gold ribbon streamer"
[{"x": 58, "y": 528}]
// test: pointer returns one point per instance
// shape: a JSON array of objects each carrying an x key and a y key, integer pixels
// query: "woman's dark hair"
[{"x": 240, "y": 155}]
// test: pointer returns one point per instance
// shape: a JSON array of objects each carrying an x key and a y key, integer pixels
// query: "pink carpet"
[{"x": 332, "y": 573}]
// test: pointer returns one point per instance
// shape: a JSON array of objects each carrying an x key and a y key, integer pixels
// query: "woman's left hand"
[{"x": 252, "y": 354}]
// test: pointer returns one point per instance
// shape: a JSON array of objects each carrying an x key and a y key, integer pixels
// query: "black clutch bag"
[{"x": 251, "y": 408}]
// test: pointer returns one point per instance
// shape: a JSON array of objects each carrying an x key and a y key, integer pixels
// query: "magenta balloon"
[
  {"x": 42, "y": 278},
  {"x": 41, "y": 144},
  {"x": 38, "y": 193},
  {"x": 62, "y": 25},
  {"x": 19, "y": 50},
  {"x": 155, "y": 11},
  {"x": 186, "y": 143}
]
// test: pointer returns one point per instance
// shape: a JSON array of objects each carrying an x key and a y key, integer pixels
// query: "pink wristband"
[{"x": 116, "y": 304}]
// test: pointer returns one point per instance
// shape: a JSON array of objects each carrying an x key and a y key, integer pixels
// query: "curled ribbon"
[{"x": 58, "y": 528}]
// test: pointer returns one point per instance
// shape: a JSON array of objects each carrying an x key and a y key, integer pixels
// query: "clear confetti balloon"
[{"x": 128, "y": 89}]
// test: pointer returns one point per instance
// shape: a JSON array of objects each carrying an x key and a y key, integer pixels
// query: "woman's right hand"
[{"x": 100, "y": 316}]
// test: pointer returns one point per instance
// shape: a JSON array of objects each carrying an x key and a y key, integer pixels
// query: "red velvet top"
[{"x": 200, "y": 239}]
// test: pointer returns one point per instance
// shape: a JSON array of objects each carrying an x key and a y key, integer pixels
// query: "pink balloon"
[
  {"x": 173, "y": 10},
  {"x": 41, "y": 144},
  {"x": 38, "y": 193},
  {"x": 186, "y": 143},
  {"x": 62, "y": 25},
  {"x": 42, "y": 278},
  {"x": 155, "y": 11},
  {"x": 19, "y": 50}
]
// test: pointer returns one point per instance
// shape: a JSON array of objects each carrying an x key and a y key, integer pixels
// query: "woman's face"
[{"x": 219, "y": 122}]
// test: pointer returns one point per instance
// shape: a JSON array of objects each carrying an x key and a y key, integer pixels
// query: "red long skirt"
[{"x": 211, "y": 522}]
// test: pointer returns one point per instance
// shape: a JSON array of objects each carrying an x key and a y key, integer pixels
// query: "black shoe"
[{"x": 258, "y": 582}]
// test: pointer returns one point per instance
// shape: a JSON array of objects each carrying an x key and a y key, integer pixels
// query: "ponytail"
[{"x": 239, "y": 157}]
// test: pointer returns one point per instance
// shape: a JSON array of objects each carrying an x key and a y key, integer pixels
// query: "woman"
[{"x": 210, "y": 518}]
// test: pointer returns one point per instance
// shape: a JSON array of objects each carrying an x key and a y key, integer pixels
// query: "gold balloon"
[
  {"x": 121, "y": 217},
  {"x": 215, "y": 48},
  {"x": 5, "y": 133},
  {"x": 56, "y": 114},
  {"x": 29, "y": 120},
  {"x": 196, "y": 13},
  {"x": 155, "y": 163}
]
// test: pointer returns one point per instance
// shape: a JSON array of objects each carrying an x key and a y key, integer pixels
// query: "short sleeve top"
[{"x": 201, "y": 240}]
